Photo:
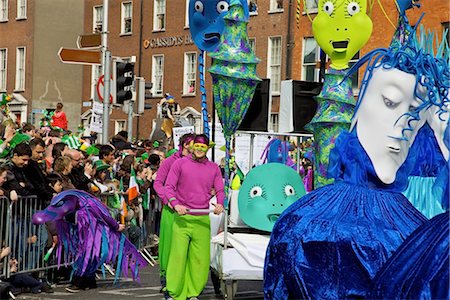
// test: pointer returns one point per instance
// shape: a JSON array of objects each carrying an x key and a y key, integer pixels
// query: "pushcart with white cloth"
[{"x": 238, "y": 252}]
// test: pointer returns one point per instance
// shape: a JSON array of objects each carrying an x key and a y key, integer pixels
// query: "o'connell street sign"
[{"x": 80, "y": 56}]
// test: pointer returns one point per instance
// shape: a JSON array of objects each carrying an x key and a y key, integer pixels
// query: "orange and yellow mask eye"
[{"x": 201, "y": 147}]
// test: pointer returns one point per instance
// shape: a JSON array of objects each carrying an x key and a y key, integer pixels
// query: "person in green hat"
[
  {"x": 101, "y": 175},
  {"x": 11, "y": 139}
]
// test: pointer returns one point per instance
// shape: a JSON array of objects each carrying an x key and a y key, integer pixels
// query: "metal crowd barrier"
[
  {"x": 27, "y": 242},
  {"x": 4, "y": 235}
]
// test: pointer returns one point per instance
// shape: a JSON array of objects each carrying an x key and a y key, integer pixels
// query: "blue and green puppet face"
[
  {"x": 206, "y": 21},
  {"x": 266, "y": 192}
]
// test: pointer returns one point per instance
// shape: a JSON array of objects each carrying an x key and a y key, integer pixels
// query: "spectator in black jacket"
[
  {"x": 34, "y": 171},
  {"x": 81, "y": 174},
  {"x": 16, "y": 178}
]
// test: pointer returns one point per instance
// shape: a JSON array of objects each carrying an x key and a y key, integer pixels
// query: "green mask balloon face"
[
  {"x": 266, "y": 192},
  {"x": 342, "y": 28}
]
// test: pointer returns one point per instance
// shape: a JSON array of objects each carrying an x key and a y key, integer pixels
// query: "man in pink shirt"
[
  {"x": 165, "y": 232},
  {"x": 189, "y": 186}
]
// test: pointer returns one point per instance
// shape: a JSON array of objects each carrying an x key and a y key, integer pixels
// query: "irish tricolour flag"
[{"x": 133, "y": 189}]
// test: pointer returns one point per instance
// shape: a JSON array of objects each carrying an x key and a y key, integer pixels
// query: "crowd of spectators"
[{"x": 46, "y": 162}]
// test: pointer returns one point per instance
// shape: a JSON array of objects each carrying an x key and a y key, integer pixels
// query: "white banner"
[
  {"x": 242, "y": 149},
  {"x": 178, "y": 132},
  {"x": 96, "y": 122},
  {"x": 97, "y": 107}
]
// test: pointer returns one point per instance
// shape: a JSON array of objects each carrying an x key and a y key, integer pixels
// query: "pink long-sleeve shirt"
[
  {"x": 190, "y": 183},
  {"x": 161, "y": 176}
]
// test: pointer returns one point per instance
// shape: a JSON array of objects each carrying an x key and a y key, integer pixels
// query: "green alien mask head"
[
  {"x": 266, "y": 192},
  {"x": 342, "y": 28}
]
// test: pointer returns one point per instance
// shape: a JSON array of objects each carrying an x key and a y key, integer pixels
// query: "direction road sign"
[
  {"x": 89, "y": 40},
  {"x": 80, "y": 56}
]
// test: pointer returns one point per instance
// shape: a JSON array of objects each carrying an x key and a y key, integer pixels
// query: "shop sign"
[{"x": 170, "y": 41}]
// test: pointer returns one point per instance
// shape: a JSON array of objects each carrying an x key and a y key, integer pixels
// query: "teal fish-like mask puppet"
[{"x": 266, "y": 192}]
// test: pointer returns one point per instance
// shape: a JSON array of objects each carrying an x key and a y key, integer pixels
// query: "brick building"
[
  {"x": 165, "y": 54},
  {"x": 30, "y": 37},
  {"x": 384, "y": 19},
  {"x": 155, "y": 35}
]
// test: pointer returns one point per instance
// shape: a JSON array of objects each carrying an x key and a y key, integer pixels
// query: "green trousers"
[
  {"x": 165, "y": 240},
  {"x": 188, "y": 269}
]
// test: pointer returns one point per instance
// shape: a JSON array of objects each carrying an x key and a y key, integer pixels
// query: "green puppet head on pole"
[{"x": 342, "y": 28}]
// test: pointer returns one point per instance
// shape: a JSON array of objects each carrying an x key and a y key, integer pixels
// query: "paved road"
[{"x": 148, "y": 289}]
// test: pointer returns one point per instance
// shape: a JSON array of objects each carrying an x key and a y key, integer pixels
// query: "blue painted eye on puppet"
[{"x": 206, "y": 22}]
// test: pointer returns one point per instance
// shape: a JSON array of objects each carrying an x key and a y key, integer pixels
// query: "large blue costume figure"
[
  {"x": 419, "y": 269},
  {"x": 331, "y": 243}
]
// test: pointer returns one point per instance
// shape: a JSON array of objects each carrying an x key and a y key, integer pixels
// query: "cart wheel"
[{"x": 230, "y": 289}]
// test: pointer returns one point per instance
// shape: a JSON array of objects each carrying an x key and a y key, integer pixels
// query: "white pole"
[
  {"x": 130, "y": 120},
  {"x": 106, "y": 66},
  {"x": 106, "y": 93}
]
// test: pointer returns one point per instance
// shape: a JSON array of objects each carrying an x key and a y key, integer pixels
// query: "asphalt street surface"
[{"x": 149, "y": 288}]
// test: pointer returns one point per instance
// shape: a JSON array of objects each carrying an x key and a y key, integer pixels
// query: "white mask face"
[{"x": 380, "y": 120}]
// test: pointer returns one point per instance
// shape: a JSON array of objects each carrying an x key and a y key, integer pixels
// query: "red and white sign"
[{"x": 101, "y": 88}]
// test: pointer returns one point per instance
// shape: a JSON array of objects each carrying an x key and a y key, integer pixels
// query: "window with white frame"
[
  {"x": 127, "y": 17},
  {"x": 191, "y": 119},
  {"x": 20, "y": 69},
  {"x": 274, "y": 66},
  {"x": 120, "y": 125},
  {"x": 159, "y": 17},
  {"x": 3, "y": 70},
  {"x": 190, "y": 73},
  {"x": 311, "y": 55},
  {"x": 311, "y": 6},
  {"x": 186, "y": 17},
  {"x": 274, "y": 122},
  {"x": 252, "y": 42},
  {"x": 276, "y": 5},
  {"x": 97, "y": 19},
  {"x": 96, "y": 72},
  {"x": 252, "y": 7},
  {"x": 3, "y": 10},
  {"x": 21, "y": 9},
  {"x": 158, "y": 75}
]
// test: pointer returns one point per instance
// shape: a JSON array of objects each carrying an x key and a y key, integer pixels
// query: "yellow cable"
[
  {"x": 384, "y": 12},
  {"x": 306, "y": 10}
]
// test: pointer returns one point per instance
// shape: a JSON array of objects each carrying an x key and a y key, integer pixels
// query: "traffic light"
[
  {"x": 124, "y": 81},
  {"x": 148, "y": 90},
  {"x": 142, "y": 92}
]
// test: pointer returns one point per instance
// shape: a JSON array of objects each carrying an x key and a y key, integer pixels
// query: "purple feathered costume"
[{"x": 89, "y": 235}]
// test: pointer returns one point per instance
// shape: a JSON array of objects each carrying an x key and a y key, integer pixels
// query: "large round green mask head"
[
  {"x": 342, "y": 28},
  {"x": 266, "y": 192}
]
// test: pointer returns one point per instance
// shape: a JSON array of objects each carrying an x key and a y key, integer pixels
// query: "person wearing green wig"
[{"x": 165, "y": 234}]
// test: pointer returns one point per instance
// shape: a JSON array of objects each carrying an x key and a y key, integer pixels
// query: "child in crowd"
[{"x": 55, "y": 183}]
